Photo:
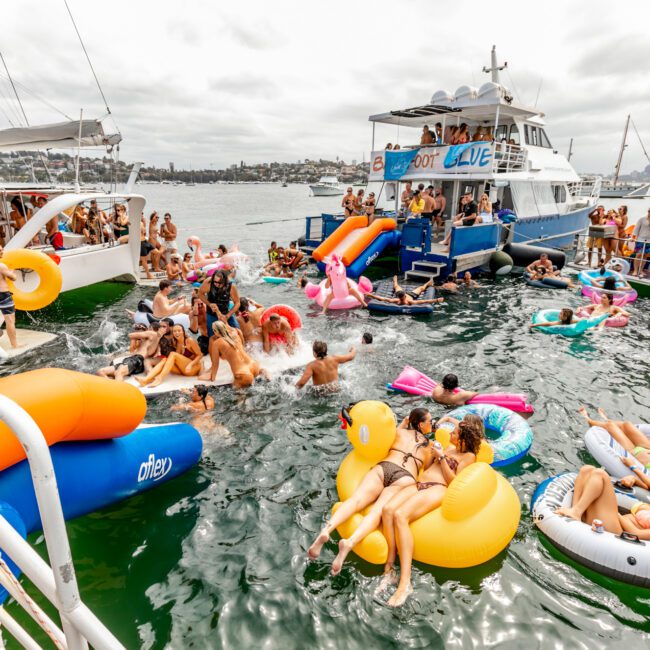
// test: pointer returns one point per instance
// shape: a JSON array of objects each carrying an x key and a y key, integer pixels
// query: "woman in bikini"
[
  {"x": 605, "y": 306},
  {"x": 158, "y": 250},
  {"x": 227, "y": 344},
  {"x": 565, "y": 318},
  {"x": 410, "y": 451},
  {"x": 416, "y": 500},
  {"x": 594, "y": 498},
  {"x": 184, "y": 360},
  {"x": 634, "y": 441}
]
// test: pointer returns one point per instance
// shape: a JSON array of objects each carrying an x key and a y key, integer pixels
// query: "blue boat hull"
[{"x": 555, "y": 231}]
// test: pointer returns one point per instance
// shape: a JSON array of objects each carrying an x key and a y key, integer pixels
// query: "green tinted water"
[{"x": 216, "y": 558}]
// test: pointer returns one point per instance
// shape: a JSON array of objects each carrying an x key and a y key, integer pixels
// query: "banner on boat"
[{"x": 452, "y": 159}]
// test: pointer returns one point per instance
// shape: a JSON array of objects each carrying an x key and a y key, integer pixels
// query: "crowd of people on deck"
[
  {"x": 615, "y": 241},
  {"x": 452, "y": 134}
]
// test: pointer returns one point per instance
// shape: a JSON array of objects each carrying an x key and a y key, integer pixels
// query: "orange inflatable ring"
[
  {"x": 49, "y": 274},
  {"x": 283, "y": 310},
  {"x": 69, "y": 406}
]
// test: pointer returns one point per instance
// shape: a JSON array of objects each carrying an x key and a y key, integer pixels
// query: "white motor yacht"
[{"x": 327, "y": 186}]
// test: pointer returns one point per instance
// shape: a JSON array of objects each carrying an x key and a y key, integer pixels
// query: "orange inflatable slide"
[{"x": 70, "y": 406}]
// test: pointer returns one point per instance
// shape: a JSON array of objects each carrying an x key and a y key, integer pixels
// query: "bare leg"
[
  {"x": 635, "y": 435},
  {"x": 328, "y": 300},
  {"x": 10, "y": 321},
  {"x": 369, "y": 489},
  {"x": 596, "y": 500},
  {"x": 356, "y": 293},
  {"x": 155, "y": 260},
  {"x": 421, "y": 289},
  {"x": 612, "y": 428},
  {"x": 368, "y": 523},
  {"x": 145, "y": 381},
  {"x": 396, "y": 286},
  {"x": 145, "y": 266},
  {"x": 418, "y": 506}
]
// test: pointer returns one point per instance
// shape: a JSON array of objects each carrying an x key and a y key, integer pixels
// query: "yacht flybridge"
[
  {"x": 505, "y": 153},
  {"x": 515, "y": 163}
]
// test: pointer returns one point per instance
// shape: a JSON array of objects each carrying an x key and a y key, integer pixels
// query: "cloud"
[{"x": 622, "y": 56}]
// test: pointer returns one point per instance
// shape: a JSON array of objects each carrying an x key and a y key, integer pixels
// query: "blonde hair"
[{"x": 218, "y": 327}]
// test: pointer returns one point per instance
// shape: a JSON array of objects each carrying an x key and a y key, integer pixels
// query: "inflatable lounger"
[
  {"x": 414, "y": 382},
  {"x": 622, "y": 557},
  {"x": 548, "y": 282},
  {"x": 92, "y": 475},
  {"x": 71, "y": 406},
  {"x": 385, "y": 290}
]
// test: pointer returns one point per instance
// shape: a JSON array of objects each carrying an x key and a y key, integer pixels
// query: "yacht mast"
[
  {"x": 494, "y": 66},
  {"x": 617, "y": 169}
]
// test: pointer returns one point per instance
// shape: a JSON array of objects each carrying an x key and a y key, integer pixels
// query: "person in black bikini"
[
  {"x": 217, "y": 292},
  {"x": 425, "y": 495},
  {"x": 410, "y": 451}
]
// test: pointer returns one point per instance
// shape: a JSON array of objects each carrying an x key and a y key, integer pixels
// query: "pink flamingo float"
[
  {"x": 341, "y": 288},
  {"x": 211, "y": 262}
]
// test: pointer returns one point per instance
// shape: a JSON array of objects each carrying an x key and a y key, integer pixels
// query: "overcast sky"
[{"x": 207, "y": 83}]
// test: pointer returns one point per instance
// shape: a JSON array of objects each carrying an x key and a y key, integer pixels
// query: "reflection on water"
[{"x": 216, "y": 558}]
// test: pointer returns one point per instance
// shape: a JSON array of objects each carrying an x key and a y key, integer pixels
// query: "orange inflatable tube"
[
  {"x": 68, "y": 406},
  {"x": 370, "y": 233}
]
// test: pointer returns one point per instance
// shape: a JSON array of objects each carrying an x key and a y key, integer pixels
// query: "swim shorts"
[
  {"x": 134, "y": 364},
  {"x": 145, "y": 248},
  {"x": 7, "y": 303},
  {"x": 171, "y": 245}
]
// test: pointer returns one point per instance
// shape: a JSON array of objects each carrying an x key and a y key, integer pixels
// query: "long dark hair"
[
  {"x": 471, "y": 431},
  {"x": 416, "y": 418}
]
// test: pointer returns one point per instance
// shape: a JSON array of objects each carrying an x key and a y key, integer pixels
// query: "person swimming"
[{"x": 566, "y": 318}]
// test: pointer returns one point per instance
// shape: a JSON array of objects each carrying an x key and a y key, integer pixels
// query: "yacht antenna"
[
  {"x": 617, "y": 169},
  {"x": 495, "y": 67},
  {"x": 570, "y": 150},
  {"x": 76, "y": 172}
]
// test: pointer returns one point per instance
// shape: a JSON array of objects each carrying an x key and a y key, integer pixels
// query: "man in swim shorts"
[
  {"x": 7, "y": 307},
  {"x": 411, "y": 297},
  {"x": 325, "y": 369},
  {"x": 168, "y": 232},
  {"x": 143, "y": 345}
]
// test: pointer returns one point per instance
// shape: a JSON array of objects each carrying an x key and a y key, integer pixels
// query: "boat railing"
[
  {"x": 508, "y": 158},
  {"x": 587, "y": 187},
  {"x": 627, "y": 243},
  {"x": 474, "y": 239},
  {"x": 56, "y": 581}
]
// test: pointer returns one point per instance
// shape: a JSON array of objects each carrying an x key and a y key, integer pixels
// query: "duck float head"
[{"x": 478, "y": 516}]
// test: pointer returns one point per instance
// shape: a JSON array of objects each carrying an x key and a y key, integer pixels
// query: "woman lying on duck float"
[
  {"x": 397, "y": 470},
  {"x": 425, "y": 495}
]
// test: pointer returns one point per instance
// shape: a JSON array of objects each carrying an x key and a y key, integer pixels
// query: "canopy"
[{"x": 64, "y": 135}]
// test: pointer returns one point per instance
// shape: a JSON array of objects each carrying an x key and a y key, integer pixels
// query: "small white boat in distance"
[{"x": 327, "y": 186}]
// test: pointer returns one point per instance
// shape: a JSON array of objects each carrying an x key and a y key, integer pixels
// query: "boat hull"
[
  {"x": 318, "y": 190},
  {"x": 556, "y": 231}
]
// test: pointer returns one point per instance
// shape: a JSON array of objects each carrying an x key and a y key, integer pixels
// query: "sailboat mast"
[{"x": 617, "y": 169}]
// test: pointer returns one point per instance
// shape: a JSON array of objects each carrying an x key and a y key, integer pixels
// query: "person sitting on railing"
[
  {"x": 478, "y": 134},
  {"x": 348, "y": 202},
  {"x": 438, "y": 134},
  {"x": 642, "y": 248},
  {"x": 487, "y": 134},
  {"x": 462, "y": 135},
  {"x": 416, "y": 206},
  {"x": 427, "y": 136},
  {"x": 396, "y": 147},
  {"x": 468, "y": 215}
]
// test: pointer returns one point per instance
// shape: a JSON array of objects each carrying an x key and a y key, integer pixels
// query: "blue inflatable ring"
[
  {"x": 514, "y": 435},
  {"x": 576, "y": 329},
  {"x": 588, "y": 276}
]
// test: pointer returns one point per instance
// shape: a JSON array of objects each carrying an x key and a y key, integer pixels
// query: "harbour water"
[{"x": 217, "y": 557}]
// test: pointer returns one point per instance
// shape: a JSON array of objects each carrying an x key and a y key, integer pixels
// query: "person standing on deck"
[
  {"x": 597, "y": 218},
  {"x": 407, "y": 195},
  {"x": 7, "y": 307},
  {"x": 348, "y": 202},
  {"x": 168, "y": 232},
  {"x": 642, "y": 235}
]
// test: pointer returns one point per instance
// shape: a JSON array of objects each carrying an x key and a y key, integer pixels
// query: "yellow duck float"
[{"x": 478, "y": 516}]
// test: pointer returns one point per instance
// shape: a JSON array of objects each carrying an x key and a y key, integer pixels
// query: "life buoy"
[
  {"x": 283, "y": 310},
  {"x": 49, "y": 274}
]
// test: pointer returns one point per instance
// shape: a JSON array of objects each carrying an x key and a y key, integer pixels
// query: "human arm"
[
  {"x": 447, "y": 418},
  {"x": 266, "y": 341},
  {"x": 449, "y": 473},
  {"x": 628, "y": 525},
  {"x": 344, "y": 358},
  {"x": 234, "y": 296},
  {"x": 306, "y": 376},
  {"x": 7, "y": 273},
  {"x": 638, "y": 477},
  {"x": 548, "y": 324},
  {"x": 374, "y": 296}
]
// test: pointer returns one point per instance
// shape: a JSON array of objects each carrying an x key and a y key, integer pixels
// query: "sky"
[{"x": 207, "y": 84}]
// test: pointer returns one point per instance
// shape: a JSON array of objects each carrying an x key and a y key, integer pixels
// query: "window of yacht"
[
  {"x": 514, "y": 134},
  {"x": 531, "y": 135},
  {"x": 544, "y": 139},
  {"x": 501, "y": 133},
  {"x": 559, "y": 191}
]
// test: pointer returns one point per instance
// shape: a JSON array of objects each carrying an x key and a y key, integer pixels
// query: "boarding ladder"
[{"x": 56, "y": 581}]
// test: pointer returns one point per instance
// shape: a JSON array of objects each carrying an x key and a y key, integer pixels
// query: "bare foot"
[
  {"x": 17, "y": 346},
  {"x": 130, "y": 313},
  {"x": 142, "y": 381},
  {"x": 316, "y": 547},
  {"x": 205, "y": 377},
  {"x": 344, "y": 548},
  {"x": 602, "y": 414},
  {"x": 428, "y": 284},
  {"x": 400, "y": 596},
  {"x": 571, "y": 513},
  {"x": 389, "y": 578},
  {"x": 156, "y": 382},
  {"x": 583, "y": 411}
]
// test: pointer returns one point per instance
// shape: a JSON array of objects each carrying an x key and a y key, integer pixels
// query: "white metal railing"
[
  {"x": 58, "y": 582},
  {"x": 587, "y": 187},
  {"x": 508, "y": 158}
]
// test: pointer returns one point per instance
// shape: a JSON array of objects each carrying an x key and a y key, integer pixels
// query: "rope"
[
  {"x": 29, "y": 603},
  {"x": 640, "y": 141},
  {"x": 11, "y": 81},
  {"x": 83, "y": 47},
  {"x": 39, "y": 98}
]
